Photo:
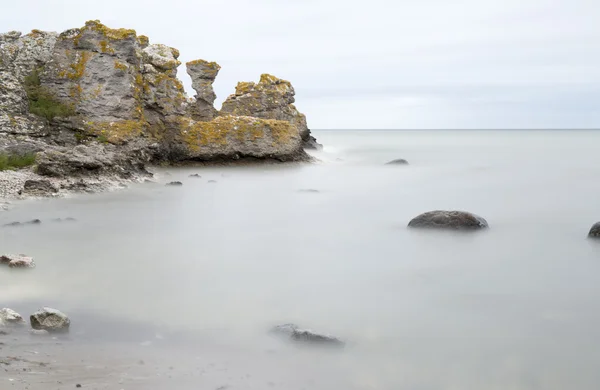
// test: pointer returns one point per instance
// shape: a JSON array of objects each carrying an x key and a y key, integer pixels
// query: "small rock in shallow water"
[
  {"x": 174, "y": 183},
  {"x": 399, "y": 161},
  {"x": 294, "y": 333},
  {"x": 595, "y": 231},
  {"x": 212, "y": 181},
  {"x": 51, "y": 320},
  {"x": 194, "y": 175},
  {"x": 17, "y": 261},
  {"x": 9, "y": 316},
  {"x": 17, "y": 223},
  {"x": 453, "y": 220},
  {"x": 309, "y": 190}
]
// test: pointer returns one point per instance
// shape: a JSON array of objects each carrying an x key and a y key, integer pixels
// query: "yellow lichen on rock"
[
  {"x": 117, "y": 132},
  {"x": 110, "y": 33},
  {"x": 120, "y": 65},
  {"x": 143, "y": 40},
  {"x": 175, "y": 53},
  {"x": 227, "y": 129},
  {"x": 77, "y": 68}
]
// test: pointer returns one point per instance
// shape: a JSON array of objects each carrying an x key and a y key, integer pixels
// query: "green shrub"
[
  {"x": 15, "y": 161},
  {"x": 41, "y": 101}
]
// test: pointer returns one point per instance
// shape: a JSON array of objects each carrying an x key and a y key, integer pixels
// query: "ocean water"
[{"x": 513, "y": 307}]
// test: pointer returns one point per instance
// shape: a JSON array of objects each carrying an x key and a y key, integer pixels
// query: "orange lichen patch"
[
  {"x": 121, "y": 65},
  {"x": 143, "y": 40},
  {"x": 110, "y": 33},
  {"x": 222, "y": 130},
  {"x": 77, "y": 69},
  {"x": 244, "y": 87},
  {"x": 36, "y": 33},
  {"x": 75, "y": 91},
  {"x": 117, "y": 132}
]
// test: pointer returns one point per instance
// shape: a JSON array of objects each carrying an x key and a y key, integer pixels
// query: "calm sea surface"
[{"x": 514, "y": 307}]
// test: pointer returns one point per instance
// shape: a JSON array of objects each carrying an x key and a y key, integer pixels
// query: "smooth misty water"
[{"x": 515, "y": 307}]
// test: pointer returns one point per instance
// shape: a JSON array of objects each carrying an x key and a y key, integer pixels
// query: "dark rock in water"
[
  {"x": 293, "y": 333},
  {"x": 39, "y": 188},
  {"x": 194, "y": 175},
  {"x": 51, "y": 320},
  {"x": 399, "y": 161},
  {"x": 310, "y": 142},
  {"x": 174, "y": 183},
  {"x": 309, "y": 190},
  {"x": 68, "y": 219},
  {"x": 212, "y": 181},
  {"x": 442, "y": 219},
  {"x": 595, "y": 231},
  {"x": 17, "y": 223},
  {"x": 17, "y": 261}
]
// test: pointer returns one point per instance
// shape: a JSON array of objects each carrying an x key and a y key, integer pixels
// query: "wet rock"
[
  {"x": 194, "y": 175},
  {"x": 17, "y": 223},
  {"x": 50, "y": 319},
  {"x": 174, "y": 183},
  {"x": 39, "y": 188},
  {"x": 10, "y": 317},
  {"x": 595, "y": 231},
  {"x": 293, "y": 333},
  {"x": 68, "y": 219},
  {"x": 17, "y": 261},
  {"x": 399, "y": 161},
  {"x": 453, "y": 220}
]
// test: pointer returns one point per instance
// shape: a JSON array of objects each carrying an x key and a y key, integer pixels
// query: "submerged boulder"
[
  {"x": 10, "y": 317},
  {"x": 595, "y": 231},
  {"x": 293, "y": 333},
  {"x": 455, "y": 220},
  {"x": 398, "y": 161},
  {"x": 174, "y": 183},
  {"x": 51, "y": 320},
  {"x": 17, "y": 261}
]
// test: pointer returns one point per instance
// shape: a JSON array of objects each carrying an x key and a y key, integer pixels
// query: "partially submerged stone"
[
  {"x": 595, "y": 231},
  {"x": 10, "y": 317},
  {"x": 453, "y": 220},
  {"x": 17, "y": 261},
  {"x": 17, "y": 223},
  {"x": 51, "y": 320},
  {"x": 174, "y": 183},
  {"x": 398, "y": 161},
  {"x": 293, "y": 333}
]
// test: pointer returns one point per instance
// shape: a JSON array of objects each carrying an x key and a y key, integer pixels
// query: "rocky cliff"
[{"x": 97, "y": 100}]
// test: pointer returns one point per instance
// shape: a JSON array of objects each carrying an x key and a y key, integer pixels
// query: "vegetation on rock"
[
  {"x": 15, "y": 161},
  {"x": 41, "y": 101}
]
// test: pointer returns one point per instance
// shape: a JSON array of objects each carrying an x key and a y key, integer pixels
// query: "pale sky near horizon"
[{"x": 377, "y": 64}]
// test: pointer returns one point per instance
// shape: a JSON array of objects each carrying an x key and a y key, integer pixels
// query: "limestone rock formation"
[
  {"x": 203, "y": 74},
  {"x": 270, "y": 98},
  {"x": 51, "y": 320},
  {"x": 453, "y": 220},
  {"x": 97, "y": 101}
]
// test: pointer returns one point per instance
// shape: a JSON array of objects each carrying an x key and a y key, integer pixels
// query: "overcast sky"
[{"x": 377, "y": 63}]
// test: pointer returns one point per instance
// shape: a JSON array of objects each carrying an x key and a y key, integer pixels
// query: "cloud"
[{"x": 381, "y": 64}]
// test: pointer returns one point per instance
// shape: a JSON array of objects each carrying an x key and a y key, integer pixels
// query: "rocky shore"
[{"x": 91, "y": 108}]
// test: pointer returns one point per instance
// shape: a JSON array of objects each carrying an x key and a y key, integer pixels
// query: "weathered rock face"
[
  {"x": 233, "y": 137},
  {"x": 454, "y": 220},
  {"x": 51, "y": 320},
  {"x": 203, "y": 74},
  {"x": 39, "y": 188},
  {"x": 270, "y": 98}
]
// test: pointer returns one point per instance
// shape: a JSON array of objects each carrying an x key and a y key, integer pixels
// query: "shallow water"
[{"x": 514, "y": 307}]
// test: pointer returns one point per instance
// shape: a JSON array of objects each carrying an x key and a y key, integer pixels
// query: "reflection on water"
[{"x": 514, "y": 307}]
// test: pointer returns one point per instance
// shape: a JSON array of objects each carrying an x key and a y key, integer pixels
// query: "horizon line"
[{"x": 461, "y": 129}]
